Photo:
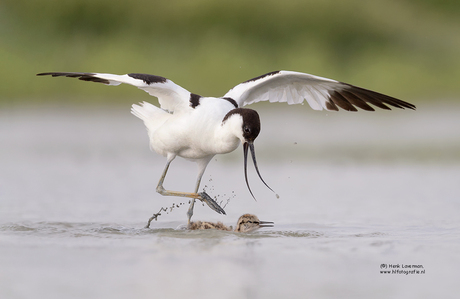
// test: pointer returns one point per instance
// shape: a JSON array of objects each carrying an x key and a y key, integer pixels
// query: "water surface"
[{"x": 358, "y": 192}]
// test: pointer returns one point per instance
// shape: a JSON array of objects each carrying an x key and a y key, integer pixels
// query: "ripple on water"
[
  {"x": 299, "y": 234},
  {"x": 16, "y": 228},
  {"x": 100, "y": 230}
]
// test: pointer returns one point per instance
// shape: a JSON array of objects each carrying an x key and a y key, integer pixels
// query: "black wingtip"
[
  {"x": 81, "y": 76},
  {"x": 352, "y": 95}
]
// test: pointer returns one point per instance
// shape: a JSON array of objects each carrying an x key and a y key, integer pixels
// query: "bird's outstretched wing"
[
  {"x": 320, "y": 93},
  {"x": 171, "y": 96}
]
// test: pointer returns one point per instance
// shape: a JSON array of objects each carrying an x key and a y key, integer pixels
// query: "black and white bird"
[{"x": 197, "y": 128}]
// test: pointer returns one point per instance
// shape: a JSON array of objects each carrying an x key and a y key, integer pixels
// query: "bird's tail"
[{"x": 146, "y": 111}]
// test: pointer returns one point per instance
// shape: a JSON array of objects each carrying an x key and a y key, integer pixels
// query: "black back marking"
[
  {"x": 232, "y": 101},
  {"x": 251, "y": 122},
  {"x": 262, "y": 76},
  {"x": 194, "y": 100},
  {"x": 148, "y": 79}
]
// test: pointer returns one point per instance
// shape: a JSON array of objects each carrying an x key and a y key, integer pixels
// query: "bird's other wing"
[
  {"x": 320, "y": 93},
  {"x": 171, "y": 96}
]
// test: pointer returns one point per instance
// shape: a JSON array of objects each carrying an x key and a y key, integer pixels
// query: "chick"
[{"x": 246, "y": 223}]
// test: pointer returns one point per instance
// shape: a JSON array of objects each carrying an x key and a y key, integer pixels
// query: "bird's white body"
[
  {"x": 193, "y": 134},
  {"x": 197, "y": 128}
]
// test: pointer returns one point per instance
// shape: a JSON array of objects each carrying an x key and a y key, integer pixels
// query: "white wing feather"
[
  {"x": 320, "y": 93},
  {"x": 281, "y": 86},
  {"x": 171, "y": 96},
  {"x": 284, "y": 86}
]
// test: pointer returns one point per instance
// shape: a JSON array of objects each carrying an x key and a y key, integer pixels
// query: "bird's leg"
[
  {"x": 190, "y": 212},
  {"x": 163, "y": 191},
  {"x": 192, "y": 204},
  {"x": 204, "y": 197}
]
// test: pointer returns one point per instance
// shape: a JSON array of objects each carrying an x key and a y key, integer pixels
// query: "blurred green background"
[{"x": 408, "y": 49}]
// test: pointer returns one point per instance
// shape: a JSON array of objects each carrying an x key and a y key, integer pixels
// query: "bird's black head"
[{"x": 250, "y": 125}]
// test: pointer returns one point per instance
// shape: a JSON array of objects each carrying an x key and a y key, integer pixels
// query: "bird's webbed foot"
[{"x": 204, "y": 197}]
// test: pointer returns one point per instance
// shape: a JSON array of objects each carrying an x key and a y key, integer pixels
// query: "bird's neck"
[{"x": 226, "y": 136}]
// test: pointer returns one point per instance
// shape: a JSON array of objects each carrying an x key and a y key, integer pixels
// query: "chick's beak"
[{"x": 266, "y": 224}]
